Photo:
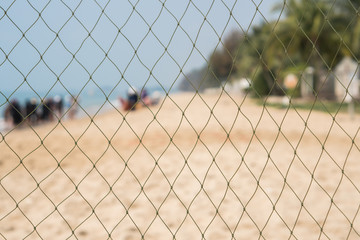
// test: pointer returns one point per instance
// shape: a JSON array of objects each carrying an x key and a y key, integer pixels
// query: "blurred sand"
[{"x": 193, "y": 167}]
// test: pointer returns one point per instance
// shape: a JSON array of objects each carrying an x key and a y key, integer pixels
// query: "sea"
[{"x": 91, "y": 102}]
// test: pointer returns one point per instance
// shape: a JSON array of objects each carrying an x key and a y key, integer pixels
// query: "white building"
[{"x": 347, "y": 80}]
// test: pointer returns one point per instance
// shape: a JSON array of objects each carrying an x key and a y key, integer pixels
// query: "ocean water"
[{"x": 91, "y": 102}]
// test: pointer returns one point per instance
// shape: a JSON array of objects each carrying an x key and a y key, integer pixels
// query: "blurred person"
[
  {"x": 13, "y": 113},
  {"x": 133, "y": 98},
  {"x": 131, "y": 101},
  {"x": 58, "y": 106},
  {"x": 46, "y": 110},
  {"x": 145, "y": 98},
  {"x": 30, "y": 111}
]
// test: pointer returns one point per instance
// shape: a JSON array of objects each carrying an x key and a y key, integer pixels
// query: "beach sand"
[{"x": 204, "y": 166}]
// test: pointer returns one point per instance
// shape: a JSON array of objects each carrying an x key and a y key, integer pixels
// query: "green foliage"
[
  {"x": 222, "y": 61},
  {"x": 293, "y": 93},
  {"x": 311, "y": 33},
  {"x": 259, "y": 86}
]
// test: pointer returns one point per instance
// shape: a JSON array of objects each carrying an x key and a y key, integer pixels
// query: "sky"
[{"x": 58, "y": 45}]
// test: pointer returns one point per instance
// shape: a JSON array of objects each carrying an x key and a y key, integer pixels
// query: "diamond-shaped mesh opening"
[
  {"x": 138, "y": 215},
  {"x": 86, "y": 188},
  {"x": 179, "y": 119},
  {"x": 105, "y": 208},
  {"x": 75, "y": 210},
  {"x": 90, "y": 50},
  {"x": 51, "y": 15},
  {"x": 28, "y": 17},
  {"x": 58, "y": 153},
  {"x": 171, "y": 162},
  {"x": 110, "y": 162},
  {"x": 157, "y": 180},
  {"x": 57, "y": 58},
  {"x": 126, "y": 180},
  {"x": 24, "y": 64},
  {"x": 186, "y": 186},
  {"x": 15, "y": 225},
  {"x": 33, "y": 80},
  {"x": 126, "y": 229},
  {"x": 76, "y": 158},
  {"x": 41, "y": 207},
  {"x": 298, "y": 185},
  {"x": 43, "y": 43},
  {"x": 141, "y": 155},
  {"x": 39, "y": 172},
  {"x": 91, "y": 228},
  {"x": 57, "y": 192},
  {"x": 22, "y": 178},
  {"x": 13, "y": 35},
  {"x": 180, "y": 38},
  {"x": 203, "y": 207},
  {"x": 188, "y": 228},
  {"x": 72, "y": 35},
  {"x": 54, "y": 227}
]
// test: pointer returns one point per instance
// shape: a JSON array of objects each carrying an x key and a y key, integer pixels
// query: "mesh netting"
[{"x": 179, "y": 119}]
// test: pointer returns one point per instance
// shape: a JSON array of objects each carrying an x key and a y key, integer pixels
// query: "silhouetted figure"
[
  {"x": 58, "y": 105},
  {"x": 31, "y": 113},
  {"x": 14, "y": 112},
  {"x": 47, "y": 109}
]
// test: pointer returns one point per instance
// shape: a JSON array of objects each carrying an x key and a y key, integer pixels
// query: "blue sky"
[{"x": 82, "y": 44}]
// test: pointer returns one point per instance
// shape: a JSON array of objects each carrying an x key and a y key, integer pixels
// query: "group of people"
[
  {"x": 34, "y": 112},
  {"x": 134, "y": 97}
]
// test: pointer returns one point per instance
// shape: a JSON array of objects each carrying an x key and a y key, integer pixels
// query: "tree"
[
  {"x": 347, "y": 23},
  {"x": 309, "y": 37},
  {"x": 222, "y": 61},
  {"x": 221, "y": 64},
  {"x": 315, "y": 33},
  {"x": 307, "y": 31}
]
